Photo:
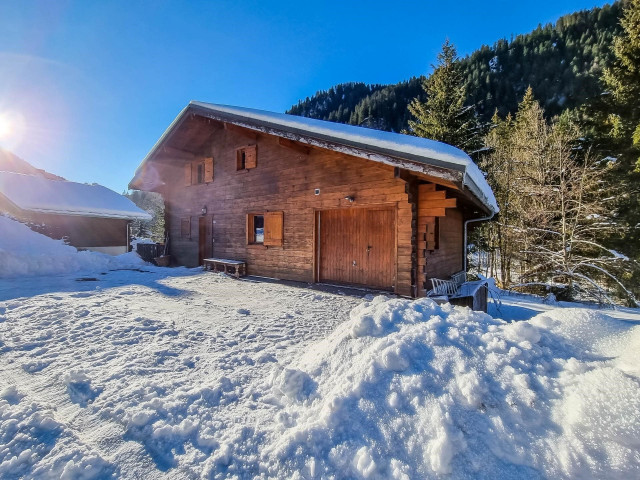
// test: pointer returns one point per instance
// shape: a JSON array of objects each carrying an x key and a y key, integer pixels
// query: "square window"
[
  {"x": 265, "y": 229},
  {"x": 246, "y": 158}
]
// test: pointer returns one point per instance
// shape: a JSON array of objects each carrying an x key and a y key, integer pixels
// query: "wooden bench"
[{"x": 239, "y": 268}]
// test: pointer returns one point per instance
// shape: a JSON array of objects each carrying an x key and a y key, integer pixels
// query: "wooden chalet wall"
[
  {"x": 78, "y": 230},
  {"x": 81, "y": 231},
  {"x": 440, "y": 236},
  {"x": 284, "y": 180}
]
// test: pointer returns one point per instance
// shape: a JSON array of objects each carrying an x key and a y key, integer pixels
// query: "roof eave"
[
  {"x": 449, "y": 171},
  {"x": 72, "y": 213}
]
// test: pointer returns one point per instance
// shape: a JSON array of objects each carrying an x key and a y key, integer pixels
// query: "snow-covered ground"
[{"x": 144, "y": 372}]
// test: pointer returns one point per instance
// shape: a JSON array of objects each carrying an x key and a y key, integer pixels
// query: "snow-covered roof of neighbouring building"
[
  {"x": 38, "y": 194},
  {"x": 409, "y": 152}
]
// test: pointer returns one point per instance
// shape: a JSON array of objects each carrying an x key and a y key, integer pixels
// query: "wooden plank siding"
[
  {"x": 78, "y": 231},
  {"x": 440, "y": 236},
  {"x": 284, "y": 180}
]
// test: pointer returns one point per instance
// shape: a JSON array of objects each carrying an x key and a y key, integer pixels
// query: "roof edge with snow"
[
  {"x": 35, "y": 193},
  {"x": 416, "y": 154}
]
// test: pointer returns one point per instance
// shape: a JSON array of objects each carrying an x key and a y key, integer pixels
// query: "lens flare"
[
  {"x": 11, "y": 129},
  {"x": 5, "y": 127}
]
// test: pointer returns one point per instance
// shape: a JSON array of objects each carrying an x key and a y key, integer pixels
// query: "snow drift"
[
  {"x": 157, "y": 374},
  {"x": 25, "y": 252},
  {"x": 410, "y": 389}
]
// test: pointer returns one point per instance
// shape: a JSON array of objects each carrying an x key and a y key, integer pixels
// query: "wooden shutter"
[
  {"x": 185, "y": 227},
  {"x": 208, "y": 170},
  {"x": 187, "y": 174},
  {"x": 250, "y": 157},
  {"x": 273, "y": 229}
]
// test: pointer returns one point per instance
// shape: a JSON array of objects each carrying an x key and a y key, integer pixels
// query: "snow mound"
[
  {"x": 410, "y": 389},
  {"x": 24, "y": 252}
]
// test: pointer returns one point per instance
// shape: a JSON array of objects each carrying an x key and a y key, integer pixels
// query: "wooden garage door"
[{"x": 357, "y": 246}]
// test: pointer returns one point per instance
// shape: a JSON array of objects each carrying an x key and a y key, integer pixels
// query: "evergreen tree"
[
  {"x": 562, "y": 63},
  {"x": 444, "y": 115},
  {"x": 554, "y": 209},
  {"x": 621, "y": 124},
  {"x": 623, "y": 81}
]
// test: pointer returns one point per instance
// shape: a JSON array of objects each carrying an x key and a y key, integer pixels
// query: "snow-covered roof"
[
  {"x": 409, "y": 152},
  {"x": 38, "y": 194}
]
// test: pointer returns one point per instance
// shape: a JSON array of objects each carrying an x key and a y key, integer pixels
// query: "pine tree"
[
  {"x": 623, "y": 80},
  {"x": 444, "y": 115},
  {"x": 555, "y": 208},
  {"x": 621, "y": 125}
]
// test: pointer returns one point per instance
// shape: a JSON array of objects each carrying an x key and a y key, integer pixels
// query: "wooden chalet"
[
  {"x": 88, "y": 217},
  {"x": 314, "y": 201}
]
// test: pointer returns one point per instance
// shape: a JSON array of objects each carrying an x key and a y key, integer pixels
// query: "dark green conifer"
[{"x": 444, "y": 115}]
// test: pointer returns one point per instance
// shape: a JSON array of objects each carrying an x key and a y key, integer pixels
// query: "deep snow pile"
[
  {"x": 414, "y": 390},
  {"x": 176, "y": 374},
  {"x": 25, "y": 252}
]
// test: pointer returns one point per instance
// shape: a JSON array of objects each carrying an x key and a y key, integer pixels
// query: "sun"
[{"x": 6, "y": 127}]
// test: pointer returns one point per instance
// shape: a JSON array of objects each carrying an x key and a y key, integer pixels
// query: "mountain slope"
[{"x": 562, "y": 62}]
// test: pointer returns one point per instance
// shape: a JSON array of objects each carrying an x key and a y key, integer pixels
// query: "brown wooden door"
[
  {"x": 205, "y": 238},
  {"x": 357, "y": 246}
]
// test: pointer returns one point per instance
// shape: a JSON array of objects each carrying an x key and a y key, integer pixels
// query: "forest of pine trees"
[
  {"x": 553, "y": 118},
  {"x": 562, "y": 64}
]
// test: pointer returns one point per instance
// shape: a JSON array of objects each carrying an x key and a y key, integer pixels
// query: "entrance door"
[
  {"x": 357, "y": 246},
  {"x": 205, "y": 236}
]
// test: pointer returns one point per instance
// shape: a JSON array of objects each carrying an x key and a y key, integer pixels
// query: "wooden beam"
[
  {"x": 442, "y": 203},
  {"x": 433, "y": 195},
  {"x": 431, "y": 212},
  {"x": 426, "y": 187},
  {"x": 298, "y": 147},
  {"x": 439, "y": 181},
  {"x": 241, "y": 130},
  {"x": 403, "y": 174}
]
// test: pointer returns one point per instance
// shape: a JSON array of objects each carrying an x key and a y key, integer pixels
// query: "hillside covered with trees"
[{"x": 562, "y": 63}]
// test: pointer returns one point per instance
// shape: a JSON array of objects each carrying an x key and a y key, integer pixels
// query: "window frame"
[
  {"x": 251, "y": 231},
  {"x": 244, "y": 154},
  {"x": 273, "y": 228},
  {"x": 199, "y": 172}
]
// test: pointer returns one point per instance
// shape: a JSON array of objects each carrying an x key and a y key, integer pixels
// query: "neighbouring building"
[
  {"x": 88, "y": 217},
  {"x": 314, "y": 201}
]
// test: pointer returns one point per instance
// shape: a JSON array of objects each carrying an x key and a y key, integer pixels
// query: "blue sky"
[{"x": 87, "y": 87}]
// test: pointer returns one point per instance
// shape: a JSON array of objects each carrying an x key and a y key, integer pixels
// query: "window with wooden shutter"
[
  {"x": 187, "y": 174},
  {"x": 185, "y": 227},
  {"x": 274, "y": 229},
  {"x": 208, "y": 169},
  {"x": 246, "y": 158}
]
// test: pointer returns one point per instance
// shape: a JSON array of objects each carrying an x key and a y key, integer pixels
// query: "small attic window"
[{"x": 246, "y": 158}]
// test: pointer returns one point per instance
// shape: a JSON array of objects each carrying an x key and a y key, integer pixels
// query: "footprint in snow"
[
  {"x": 243, "y": 311},
  {"x": 79, "y": 388}
]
